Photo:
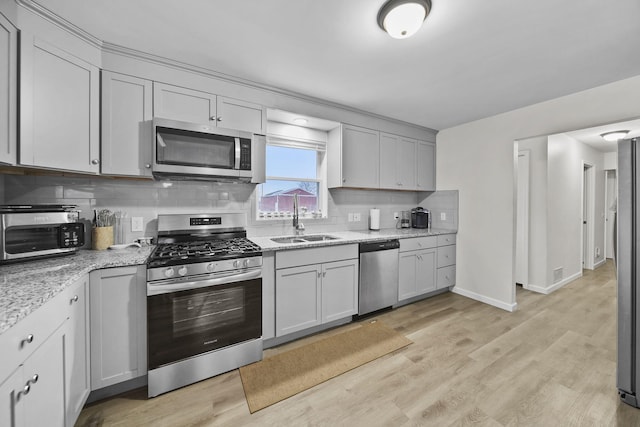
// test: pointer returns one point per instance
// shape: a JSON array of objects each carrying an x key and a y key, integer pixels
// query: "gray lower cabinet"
[
  {"x": 426, "y": 265},
  {"x": 118, "y": 325},
  {"x": 46, "y": 355},
  {"x": 314, "y": 294}
]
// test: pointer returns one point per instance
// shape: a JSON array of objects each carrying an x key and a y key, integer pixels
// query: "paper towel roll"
[{"x": 374, "y": 219}]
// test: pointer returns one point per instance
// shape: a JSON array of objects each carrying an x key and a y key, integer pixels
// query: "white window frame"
[{"x": 321, "y": 176}]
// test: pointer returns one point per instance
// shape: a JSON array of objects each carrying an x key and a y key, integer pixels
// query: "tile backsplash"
[{"x": 146, "y": 199}]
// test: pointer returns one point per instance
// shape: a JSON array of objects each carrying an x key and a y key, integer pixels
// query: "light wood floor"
[{"x": 550, "y": 363}]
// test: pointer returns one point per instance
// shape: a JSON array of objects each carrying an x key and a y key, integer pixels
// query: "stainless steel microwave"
[
  {"x": 34, "y": 231},
  {"x": 183, "y": 150}
]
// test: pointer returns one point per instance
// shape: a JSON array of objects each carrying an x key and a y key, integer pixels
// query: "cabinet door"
[
  {"x": 43, "y": 372},
  {"x": 426, "y": 166},
  {"x": 239, "y": 115},
  {"x": 425, "y": 271},
  {"x": 407, "y": 275},
  {"x": 397, "y": 162},
  {"x": 298, "y": 298},
  {"x": 127, "y": 104},
  {"x": 339, "y": 290},
  {"x": 8, "y": 91},
  {"x": 77, "y": 375},
  {"x": 59, "y": 108},
  {"x": 406, "y": 163},
  {"x": 118, "y": 325},
  {"x": 11, "y": 413},
  {"x": 187, "y": 105},
  {"x": 360, "y": 157}
]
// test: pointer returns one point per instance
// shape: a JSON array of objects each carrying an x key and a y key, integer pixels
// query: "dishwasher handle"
[{"x": 379, "y": 246}]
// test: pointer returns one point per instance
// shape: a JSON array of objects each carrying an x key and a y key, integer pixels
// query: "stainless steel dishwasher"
[{"x": 378, "y": 275}]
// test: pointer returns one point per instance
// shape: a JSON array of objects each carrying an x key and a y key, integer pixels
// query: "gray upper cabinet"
[
  {"x": 397, "y": 162},
  {"x": 353, "y": 157},
  {"x": 8, "y": 91},
  {"x": 127, "y": 104},
  {"x": 59, "y": 108},
  {"x": 188, "y": 105},
  {"x": 426, "y": 166}
]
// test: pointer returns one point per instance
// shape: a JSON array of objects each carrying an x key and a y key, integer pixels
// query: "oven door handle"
[{"x": 159, "y": 289}]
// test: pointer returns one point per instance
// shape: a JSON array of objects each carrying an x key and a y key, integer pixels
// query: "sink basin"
[{"x": 304, "y": 239}]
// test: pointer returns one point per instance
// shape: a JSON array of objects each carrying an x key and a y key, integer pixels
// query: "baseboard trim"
[
  {"x": 487, "y": 300},
  {"x": 600, "y": 263},
  {"x": 546, "y": 290}
]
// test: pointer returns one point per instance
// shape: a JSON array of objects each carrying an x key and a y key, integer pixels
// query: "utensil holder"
[{"x": 101, "y": 238}]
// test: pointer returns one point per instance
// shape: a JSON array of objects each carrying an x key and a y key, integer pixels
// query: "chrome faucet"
[{"x": 297, "y": 225}]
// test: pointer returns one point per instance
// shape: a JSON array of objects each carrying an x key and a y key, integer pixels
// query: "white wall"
[
  {"x": 564, "y": 215},
  {"x": 478, "y": 159},
  {"x": 611, "y": 160}
]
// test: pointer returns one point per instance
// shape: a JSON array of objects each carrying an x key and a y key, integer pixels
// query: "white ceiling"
[
  {"x": 592, "y": 136},
  {"x": 471, "y": 59}
]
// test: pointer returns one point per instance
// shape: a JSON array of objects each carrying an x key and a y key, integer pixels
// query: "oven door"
[{"x": 185, "y": 323}]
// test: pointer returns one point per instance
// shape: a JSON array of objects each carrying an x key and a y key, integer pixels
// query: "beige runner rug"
[{"x": 283, "y": 375}]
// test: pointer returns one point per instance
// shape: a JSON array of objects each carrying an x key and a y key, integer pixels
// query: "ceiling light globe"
[
  {"x": 405, "y": 20},
  {"x": 614, "y": 136}
]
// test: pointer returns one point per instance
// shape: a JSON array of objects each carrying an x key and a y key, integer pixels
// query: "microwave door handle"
[
  {"x": 237, "y": 163},
  {"x": 161, "y": 141},
  {"x": 158, "y": 289}
]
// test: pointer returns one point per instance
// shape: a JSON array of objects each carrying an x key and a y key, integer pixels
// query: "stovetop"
[{"x": 168, "y": 254}]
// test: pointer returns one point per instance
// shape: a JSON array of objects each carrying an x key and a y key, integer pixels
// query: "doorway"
[
  {"x": 611, "y": 190},
  {"x": 588, "y": 206},
  {"x": 522, "y": 220}
]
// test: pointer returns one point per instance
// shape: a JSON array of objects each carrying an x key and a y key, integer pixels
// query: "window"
[{"x": 293, "y": 167}]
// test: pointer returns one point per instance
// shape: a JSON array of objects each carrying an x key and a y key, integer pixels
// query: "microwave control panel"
[
  {"x": 71, "y": 235},
  {"x": 245, "y": 154}
]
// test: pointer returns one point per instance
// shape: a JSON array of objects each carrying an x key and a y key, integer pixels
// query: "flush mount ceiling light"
[
  {"x": 614, "y": 136},
  {"x": 402, "y": 18}
]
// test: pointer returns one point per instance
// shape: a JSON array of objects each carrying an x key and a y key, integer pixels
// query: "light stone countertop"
[
  {"x": 26, "y": 286},
  {"x": 347, "y": 237}
]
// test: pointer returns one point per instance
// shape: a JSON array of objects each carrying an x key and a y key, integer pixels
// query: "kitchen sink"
[{"x": 304, "y": 239}]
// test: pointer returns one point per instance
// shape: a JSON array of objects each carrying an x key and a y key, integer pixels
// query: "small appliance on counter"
[
  {"x": 405, "y": 219},
  {"x": 35, "y": 231},
  {"x": 420, "y": 218}
]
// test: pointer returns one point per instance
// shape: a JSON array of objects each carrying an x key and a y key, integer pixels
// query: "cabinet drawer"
[
  {"x": 36, "y": 327},
  {"x": 446, "y": 277},
  {"x": 296, "y": 257},
  {"x": 446, "y": 256},
  {"x": 416, "y": 243},
  {"x": 446, "y": 239}
]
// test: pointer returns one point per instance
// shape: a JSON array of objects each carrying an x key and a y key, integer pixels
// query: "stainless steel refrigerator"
[{"x": 627, "y": 255}]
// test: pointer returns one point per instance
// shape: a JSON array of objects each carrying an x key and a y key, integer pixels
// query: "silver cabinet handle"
[
  {"x": 95, "y": 161},
  {"x": 213, "y": 118},
  {"x": 344, "y": 180},
  {"x": 319, "y": 274},
  {"x": 324, "y": 274},
  {"x": 23, "y": 392},
  {"x": 74, "y": 299},
  {"x": 33, "y": 380},
  {"x": 148, "y": 166},
  {"x": 218, "y": 119},
  {"x": 28, "y": 340}
]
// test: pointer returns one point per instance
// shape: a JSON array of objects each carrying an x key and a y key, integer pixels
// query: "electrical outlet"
[
  {"x": 356, "y": 217},
  {"x": 396, "y": 215},
  {"x": 137, "y": 223},
  {"x": 443, "y": 216},
  {"x": 350, "y": 217}
]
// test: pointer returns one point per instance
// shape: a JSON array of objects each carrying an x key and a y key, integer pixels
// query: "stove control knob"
[
  {"x": 182, "y": 271},
  {"x": 246, "y": 263},
  {"x": 211, "y": 266},
  {"x": 169, "y": 272},
  {"x": 236, "y": 263}
]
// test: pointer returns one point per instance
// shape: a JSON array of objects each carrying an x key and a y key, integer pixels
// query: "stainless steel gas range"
[{"x": 204, "y": 299}]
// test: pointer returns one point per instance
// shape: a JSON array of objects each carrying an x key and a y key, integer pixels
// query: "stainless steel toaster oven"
[{"x": 34, "y": 231}]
